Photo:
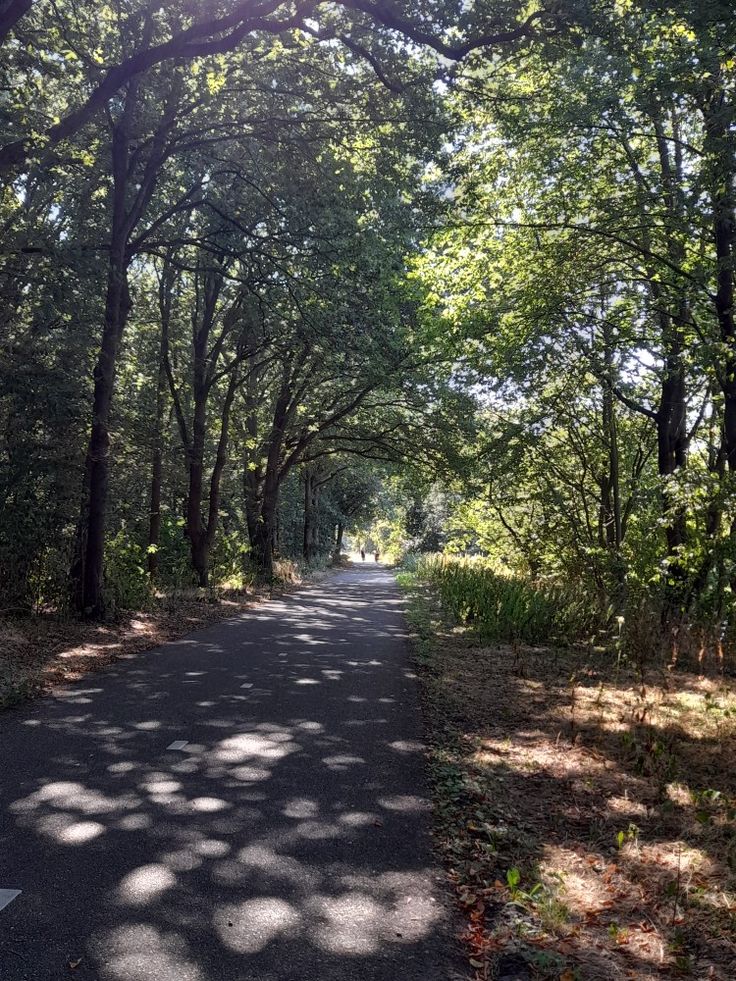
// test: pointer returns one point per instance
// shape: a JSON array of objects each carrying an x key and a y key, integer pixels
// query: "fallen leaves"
[{"x": 508, "y": 794}]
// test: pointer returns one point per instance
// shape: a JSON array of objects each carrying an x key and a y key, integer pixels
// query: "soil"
[{"x": 584, "y": 809}]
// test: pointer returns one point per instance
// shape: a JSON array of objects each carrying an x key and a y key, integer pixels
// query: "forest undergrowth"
[{"x": 584, "y": 808}]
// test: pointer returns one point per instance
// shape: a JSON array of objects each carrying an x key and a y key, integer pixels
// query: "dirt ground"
[{"x": 585, "y": 815}]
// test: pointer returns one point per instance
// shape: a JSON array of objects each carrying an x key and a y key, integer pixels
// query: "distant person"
[
  {"x": 362, "y": 554},
  {"x": 377, "y": 555}
]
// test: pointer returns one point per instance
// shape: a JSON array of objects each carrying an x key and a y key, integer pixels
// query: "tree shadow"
[
  {"x": 287, "y": 839},
  {"x": 615, "y": 803}
]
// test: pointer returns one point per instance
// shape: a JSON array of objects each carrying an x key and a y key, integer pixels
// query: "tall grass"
[{"x": 502, "y": 608}]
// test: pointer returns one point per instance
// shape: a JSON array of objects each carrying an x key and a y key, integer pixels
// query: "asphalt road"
[{"x": 286, "y": 841}]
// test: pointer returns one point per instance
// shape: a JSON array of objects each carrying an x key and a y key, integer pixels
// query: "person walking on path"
[
  {"x": 377, "y": 555},
  {"x": 362, "y": 554}
]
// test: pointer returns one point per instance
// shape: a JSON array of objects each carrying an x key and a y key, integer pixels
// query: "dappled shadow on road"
[{"x": 279, "y": 843}]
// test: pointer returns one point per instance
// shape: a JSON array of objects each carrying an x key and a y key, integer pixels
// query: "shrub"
[
  {"x": 126, "y": 577},
  {"x": 504, "y": 608}
]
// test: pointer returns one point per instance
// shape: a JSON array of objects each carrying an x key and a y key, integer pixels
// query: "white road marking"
[
  {"x": 248, "y": 684},
  {"x": 178, "y": 744},
  {"x": 7, "y": 896}
]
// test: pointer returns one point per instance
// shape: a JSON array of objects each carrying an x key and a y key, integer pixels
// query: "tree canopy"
[{"x": 450, "y": 275}]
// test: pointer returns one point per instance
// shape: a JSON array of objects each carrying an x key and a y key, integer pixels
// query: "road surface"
[{"x": 245, "y": 803}]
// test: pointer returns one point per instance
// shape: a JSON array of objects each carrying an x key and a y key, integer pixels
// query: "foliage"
[
  {"x": 501, "y": 607},
  {"x": 249, "y": 319},
  {"x": 128, "y": 584},
  {"x": 576, "y": 276},
  {"x": 305, "y": 280}
]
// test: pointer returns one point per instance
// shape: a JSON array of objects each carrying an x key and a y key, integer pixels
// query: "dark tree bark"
[
  {"x": 195, "y": 525},
  {"x": 286, "y": 446},
  {"x": 265, "y": 527},
  {"x": 673, "y": 439},
  {"x": 165, "y": 299},
  {"x": 11, "y": 12},
  {"x": 610, "y": 523},
  {"x": 672, "y": 435},
  {"x": 310, "y": 546},
  {"x": 339, "y": 534},
  {"x": 720, "y": 153},
  {"x": 670, "y": 416},
  {"x": 252, "y": 487},
  {"x": 253, "y": 474},
  {"x": 263, "y": 542},
  {"x": 201, "y": 529},
  {"x": 88, "y": 571},
  {"x": 130, "y": 199}
]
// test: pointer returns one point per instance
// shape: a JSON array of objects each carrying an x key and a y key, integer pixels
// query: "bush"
[
  {"x": 229, "y": 564},
  {"x": 504, "y": 608},
  {"x": 126, "y": 576},
  {"x": 175, "y": 564}
]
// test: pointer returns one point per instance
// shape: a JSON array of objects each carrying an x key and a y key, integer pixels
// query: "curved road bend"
[{"x": 285, "y": 840}]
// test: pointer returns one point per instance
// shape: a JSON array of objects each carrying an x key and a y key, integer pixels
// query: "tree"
[
  {"x": 577, "y": 226},
  {"x": 178, "y": 37}
]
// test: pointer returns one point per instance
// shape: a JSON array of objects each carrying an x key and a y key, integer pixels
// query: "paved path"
[{"x": 286, "y": 841}]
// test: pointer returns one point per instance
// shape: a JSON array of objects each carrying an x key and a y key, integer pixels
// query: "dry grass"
[{"x": 613, "y": 799}]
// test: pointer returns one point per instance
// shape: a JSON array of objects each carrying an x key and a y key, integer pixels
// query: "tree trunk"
[
  {"x": 719, "y": 154},
  {"x": 196, "y": 532},
  {"x": 154, "y": 521},
  {"x": 310, "y": 494},
  {"x": 719, "y": 150},
  {"x": 672, "y": 445},
  {"x": 611, "y": 525},
  {"x": 252, "y": 469},
  {"x": 265, "y": 525},
  {"x": 213, "y": 509},
  {"x": 252, "y": 493},
  {"x": 200, "y": 531},
  {"x": 265, "y": 530},
  {"x": 338, "y": 542},
  {"x": 671, "y": 415},
  {"x": 713, "y": 559},
  {"x": 88, "y": 572}
]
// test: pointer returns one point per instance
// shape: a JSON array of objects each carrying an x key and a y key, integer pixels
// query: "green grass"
[{"x": 504, "y": 608}]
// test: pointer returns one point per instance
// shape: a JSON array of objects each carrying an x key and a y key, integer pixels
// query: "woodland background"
[{"x": 454, "y": 281}]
